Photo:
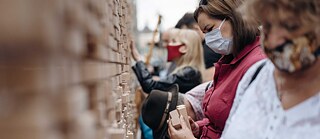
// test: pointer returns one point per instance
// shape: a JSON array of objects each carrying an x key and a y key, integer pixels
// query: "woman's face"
[
  {"x": 289, "y": 42},
  {"x": 207, "y": 24},
  {"x": 278, "y": 31}
]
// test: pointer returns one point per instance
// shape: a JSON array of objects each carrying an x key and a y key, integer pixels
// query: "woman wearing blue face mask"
[{"x": 227, "y": 33}]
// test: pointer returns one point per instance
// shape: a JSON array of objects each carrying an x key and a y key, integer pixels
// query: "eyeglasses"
[{"x": 203, "y": 2}]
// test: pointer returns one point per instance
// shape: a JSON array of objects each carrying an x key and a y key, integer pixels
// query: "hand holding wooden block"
[
  {"x": 183, "y": 111},
  {"x": 175, "y": 120}
]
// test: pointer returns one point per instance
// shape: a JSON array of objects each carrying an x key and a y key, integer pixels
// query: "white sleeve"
[
  {"x": 241, "y": 89},
  {"x": 195, "y": 97}
]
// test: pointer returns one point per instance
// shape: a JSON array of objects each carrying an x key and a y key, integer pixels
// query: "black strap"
[
  {"x": 257, "y": 72},
  {"x": 208, "y": 86}
]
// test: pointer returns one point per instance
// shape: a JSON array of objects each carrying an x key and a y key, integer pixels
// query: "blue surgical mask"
[{"x": 217, "y": 43}]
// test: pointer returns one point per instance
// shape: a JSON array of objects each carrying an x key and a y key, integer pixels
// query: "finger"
[
  {"x": 183, "y": 123},
  {"x": 190, "y": 119},
  {"x": 170, "y": 128}
]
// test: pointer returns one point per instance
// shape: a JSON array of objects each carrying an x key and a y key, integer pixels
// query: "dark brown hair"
[{"x": 243, "y": 33}]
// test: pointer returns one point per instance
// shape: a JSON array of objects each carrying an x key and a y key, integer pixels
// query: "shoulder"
[{"x": 188, "y": 71}]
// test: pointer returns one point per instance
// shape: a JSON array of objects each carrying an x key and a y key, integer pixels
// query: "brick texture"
[{"x": 65, "y": 69}]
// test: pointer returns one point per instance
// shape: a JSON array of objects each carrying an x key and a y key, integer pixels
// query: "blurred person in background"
[
  {"x": 226, "y": 33},
  {"x": 186, "y": 51},
  {"x": 210, "y": 57},
  {"x": 284, "y": 100}
]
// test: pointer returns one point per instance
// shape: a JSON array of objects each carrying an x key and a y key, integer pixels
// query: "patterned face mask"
[{"x": 293, "y": 55}]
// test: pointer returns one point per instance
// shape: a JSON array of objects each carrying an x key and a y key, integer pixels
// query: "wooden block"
[
  {"x": 112, "y": 56},
  {"x": 113, "y": 43},
  {"x": 116, "y": 133},
  {"x": 125, "y": 98},
  {"x": 93, "y": 71},
  {"x": 124, "y": 77},
  {"x": 175, "y": 120},
  {"x": 119, "y": 58},
  {"x": 130, "y": 135},
  {"x": 119, "y": 69},
  {"x": 183, "y": 111},
  {"x": 100, "y": 52},
  {"x": 126, "y": 68}
]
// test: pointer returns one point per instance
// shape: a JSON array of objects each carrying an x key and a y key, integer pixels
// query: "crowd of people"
[{"x": 243, "y": 69}]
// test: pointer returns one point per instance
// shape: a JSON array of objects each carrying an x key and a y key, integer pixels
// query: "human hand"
[
  {"x": 183, "y": 133},
  {"x": 194, "y": 127},
  {"x": 134, "y": 52}
]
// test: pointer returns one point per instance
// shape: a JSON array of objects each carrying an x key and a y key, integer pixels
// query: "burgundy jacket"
[{"x": 219, "y": 98}]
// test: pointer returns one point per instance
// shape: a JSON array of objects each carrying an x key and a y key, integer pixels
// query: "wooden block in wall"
[
  {"x": 94, "y": 71},
  {"x": 116, "y": 7},
  {"x": 125, "y": 77},
  {"x": 30, "y": 75},
  {"x": 83, "y": 126},
  {"x": 71, "y": 102},
  {"x": 113, "y": 43},
  {"x": 119, "y": 90},
  {"x": 119, "y": 58},
  {"x": 119, "y": 69},
  {"x": 125, "y": 98},
  {"x": 112, "y": 56},
  {"x": 100, "y": 52},
  {"x": 130, "y": 135},
  {"x": 112, "y": 70},
  {"x": 117, "y": 34},
  {"x": 126, "y": 68},
  {"x": 74, "y": 43},
  {"x": 116, "y": 133},
  {"x": 27, "y": 116}
]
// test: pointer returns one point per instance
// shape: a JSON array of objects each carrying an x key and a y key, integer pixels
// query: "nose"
[{"x": 275, "y": 37}]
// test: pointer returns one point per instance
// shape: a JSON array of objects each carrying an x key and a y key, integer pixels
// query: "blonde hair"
[
  {"x": 173, "y": 33},
  {"x": 194, "y": 54}
]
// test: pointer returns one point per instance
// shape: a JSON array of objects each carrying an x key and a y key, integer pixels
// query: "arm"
[
  {"x": 194, "y": 100},
  {"x": 187, "y": 78}
]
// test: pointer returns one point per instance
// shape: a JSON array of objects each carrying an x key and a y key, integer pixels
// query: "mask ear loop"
[{"x": 221, "y": 23}]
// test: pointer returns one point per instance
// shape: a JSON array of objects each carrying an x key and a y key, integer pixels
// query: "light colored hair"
[
  {"x": 194, "y": 55},
  {"x": 173, "y": 33}
]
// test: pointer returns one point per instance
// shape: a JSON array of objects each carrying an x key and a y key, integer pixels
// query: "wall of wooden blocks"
[{"x": 65, "y": 69}]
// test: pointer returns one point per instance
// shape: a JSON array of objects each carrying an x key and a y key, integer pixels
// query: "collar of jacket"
[{"x": 246, "y": 50}]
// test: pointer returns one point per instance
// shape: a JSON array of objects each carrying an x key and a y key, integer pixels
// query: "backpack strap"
[
  {"x": 257, "y": 72},
  {"x": 208, "y": 86}
]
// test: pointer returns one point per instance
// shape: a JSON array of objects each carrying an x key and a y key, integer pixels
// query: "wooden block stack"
[{"x": 65, "y": 69}]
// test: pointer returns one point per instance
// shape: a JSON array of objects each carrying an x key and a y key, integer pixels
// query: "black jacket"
[
  {"x": 210, "y": 57},
  {"x": 187, "y": 78}
]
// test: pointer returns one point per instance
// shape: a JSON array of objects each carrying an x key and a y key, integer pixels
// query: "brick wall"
[{"x": 65, "y": 69}]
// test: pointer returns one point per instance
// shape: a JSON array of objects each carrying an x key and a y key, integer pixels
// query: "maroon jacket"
[{"x": 218, "y": 99}]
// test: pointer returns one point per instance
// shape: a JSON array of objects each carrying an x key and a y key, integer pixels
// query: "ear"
[{"x": 183, "y": 49}]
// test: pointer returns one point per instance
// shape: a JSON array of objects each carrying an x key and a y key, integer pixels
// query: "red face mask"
[{"x": 173, "y": 52}]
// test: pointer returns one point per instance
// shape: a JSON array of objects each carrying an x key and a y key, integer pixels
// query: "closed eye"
[{"x": 207, "y": 29}]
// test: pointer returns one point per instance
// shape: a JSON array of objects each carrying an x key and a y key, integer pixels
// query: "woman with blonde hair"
[
  {"x": 185, "y": 50},
  {"x": 192, "y": 51}
]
